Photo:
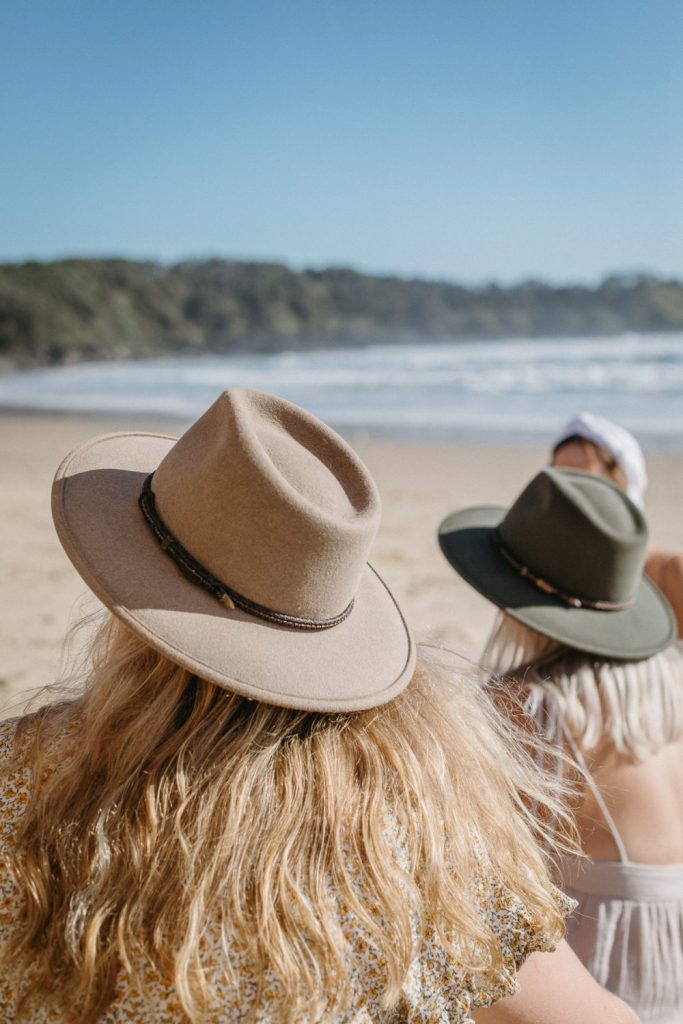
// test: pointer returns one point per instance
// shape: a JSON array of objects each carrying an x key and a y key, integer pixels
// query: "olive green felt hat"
[{"x": 567, "y": 560}]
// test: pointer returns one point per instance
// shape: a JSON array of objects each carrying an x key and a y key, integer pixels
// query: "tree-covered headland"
[{"x": 68, "y": 310}]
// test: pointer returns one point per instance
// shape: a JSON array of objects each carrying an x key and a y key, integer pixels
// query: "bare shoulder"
[
  {"x": 556, "y": 987},
  {"x": 661, "y": 562},
  {"x": 665, "y": 569}
]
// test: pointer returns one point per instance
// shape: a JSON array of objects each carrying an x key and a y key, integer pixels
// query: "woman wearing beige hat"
[
  {"x": 585, "y": 643},
  {"x": 260, "y": 806}
]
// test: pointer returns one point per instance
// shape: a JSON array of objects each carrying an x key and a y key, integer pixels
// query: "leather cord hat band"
[
  {"x": 196, "y": 573},
  {"x": 550, "y": 588}
]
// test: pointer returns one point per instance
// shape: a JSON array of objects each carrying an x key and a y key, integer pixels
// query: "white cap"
[{"x": 621, "y": 445}]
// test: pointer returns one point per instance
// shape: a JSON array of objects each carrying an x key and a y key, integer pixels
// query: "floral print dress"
[{"x": 436, "y": 990}]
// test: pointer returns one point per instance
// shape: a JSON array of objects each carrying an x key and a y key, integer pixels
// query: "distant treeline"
[{"x": 78, "y": 309}]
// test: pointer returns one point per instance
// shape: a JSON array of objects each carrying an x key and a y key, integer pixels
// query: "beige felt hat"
[{"x": 240, "y": 552}]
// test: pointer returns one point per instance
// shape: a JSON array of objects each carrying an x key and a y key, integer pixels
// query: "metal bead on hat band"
[
  {"x": 198, "y": 574},
  {"x": 550, "y": 588}
]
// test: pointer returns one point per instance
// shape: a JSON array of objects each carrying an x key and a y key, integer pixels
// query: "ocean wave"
[{"x": 523, "y": 385}]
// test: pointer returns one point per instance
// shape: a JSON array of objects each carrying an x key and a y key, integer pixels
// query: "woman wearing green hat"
[
  {"x": 586, "y": 644},
  {"x": 597, "y": 445}
]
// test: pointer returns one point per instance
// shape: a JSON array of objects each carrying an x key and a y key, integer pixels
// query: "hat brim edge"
[
  {"x": 373, "y": 589},
  {"x": 620, "y": 635}
]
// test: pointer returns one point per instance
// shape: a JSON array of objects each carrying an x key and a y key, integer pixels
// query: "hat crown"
[
  {"x": 272, "y": 502},
  {"x": 580, "y": 533}
]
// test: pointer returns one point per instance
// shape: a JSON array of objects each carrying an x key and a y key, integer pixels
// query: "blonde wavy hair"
[
  {"x": 635, "y": 706},
  {"x": 171, "y": 811}
]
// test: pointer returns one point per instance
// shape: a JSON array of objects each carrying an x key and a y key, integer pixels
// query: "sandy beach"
[{"x": 41, "y": 594}]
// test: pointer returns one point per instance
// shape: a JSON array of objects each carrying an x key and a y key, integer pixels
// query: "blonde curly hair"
[{"x": 168, "y": 806}]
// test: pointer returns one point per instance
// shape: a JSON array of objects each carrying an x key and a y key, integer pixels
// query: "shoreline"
[
  {"x": 511, "y": 439},
  {"x": 420, "y": 483}
]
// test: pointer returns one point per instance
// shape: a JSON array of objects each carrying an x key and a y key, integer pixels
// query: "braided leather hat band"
[{"x": 198, "y": 574}]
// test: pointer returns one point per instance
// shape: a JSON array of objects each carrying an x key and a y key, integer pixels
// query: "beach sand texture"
[{"x": 41, "y": 594}]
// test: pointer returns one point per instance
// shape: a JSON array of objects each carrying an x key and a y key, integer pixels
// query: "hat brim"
[
  {"x": 363, "y": 662},
  {"x": 467, "y": 539}
]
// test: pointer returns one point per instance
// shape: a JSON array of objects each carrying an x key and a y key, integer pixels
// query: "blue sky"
[{"x": 470, "y": 139}]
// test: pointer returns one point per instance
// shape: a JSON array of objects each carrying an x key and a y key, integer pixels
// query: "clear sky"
[{"x": 462, "y": 139}]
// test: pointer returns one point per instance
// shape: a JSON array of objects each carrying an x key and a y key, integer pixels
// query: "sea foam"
[{"x": 511, "y": 390}]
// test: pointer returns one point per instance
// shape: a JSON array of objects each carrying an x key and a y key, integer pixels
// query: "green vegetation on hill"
[{"x": 105, "y": 309}]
